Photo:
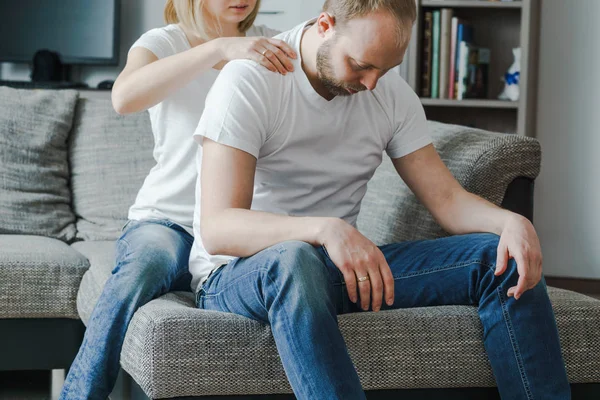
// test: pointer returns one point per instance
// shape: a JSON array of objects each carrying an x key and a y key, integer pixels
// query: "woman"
[{"x": 169, "y": 72}]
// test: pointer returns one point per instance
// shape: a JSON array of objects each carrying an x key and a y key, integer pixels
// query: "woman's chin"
[{"x": 233, "y": 19}]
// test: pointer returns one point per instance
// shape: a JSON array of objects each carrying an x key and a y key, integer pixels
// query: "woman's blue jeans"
[
  {"x": 296, "y": 288},
  {"x": 151, "y": 259}
]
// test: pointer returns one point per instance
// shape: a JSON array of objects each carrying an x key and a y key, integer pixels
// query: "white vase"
[{"x": 511, "y": 78}]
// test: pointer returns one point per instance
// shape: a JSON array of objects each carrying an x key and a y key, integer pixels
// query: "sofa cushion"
[
  {"x": 39, "y": 277},
  {"x": 174, "y": 349},
  {"x": 34, "y": 173},
  {"x": 110, "y": 156},
  {"x": 484, "y": 163},
  {"x": 101, "y": 255}
]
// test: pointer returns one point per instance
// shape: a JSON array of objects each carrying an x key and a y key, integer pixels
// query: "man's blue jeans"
[
  {"x": 151, "y": 259},
  {"x": 296, "y": 288}
]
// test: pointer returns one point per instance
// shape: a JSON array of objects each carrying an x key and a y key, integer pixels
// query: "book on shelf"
[
  {"x": 464, "y": 33},
  {"x": 477, "y": 73},
  {"x": 473, "y": 70},
  {"x": 445, "y": 31},
  {"x": 435, "y": 57},
  {"x": 463, "y": 65},
  {"x": 452, "y": 78},
  {"x": 452, "y": 66},
  {"x": 427, "y": 53}
]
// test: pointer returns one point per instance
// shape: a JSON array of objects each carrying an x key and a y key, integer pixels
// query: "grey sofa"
[{"x": 70, "y": 169}]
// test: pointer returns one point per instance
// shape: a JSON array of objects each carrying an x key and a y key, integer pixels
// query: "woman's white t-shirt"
[{"x": 168, "y": 191}]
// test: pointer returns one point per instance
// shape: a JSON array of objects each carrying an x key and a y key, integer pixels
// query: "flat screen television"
[{"x": 82, "y": 32}]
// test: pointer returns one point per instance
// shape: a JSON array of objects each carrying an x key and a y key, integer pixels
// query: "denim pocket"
[
  {"x": 159, "y": 221},
  {"x": 126, "y": 225},
  {"x": 204, "y": 287},
  {"x": 199, "y": 297},
  {"x": 338, "y": 277}
]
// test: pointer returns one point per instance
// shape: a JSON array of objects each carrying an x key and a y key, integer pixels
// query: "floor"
[{"x": 35, "y": 385}]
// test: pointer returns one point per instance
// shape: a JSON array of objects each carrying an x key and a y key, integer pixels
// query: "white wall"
[
  {"x": 294, "y": 12},
  {"x": 567, "y": 197}
]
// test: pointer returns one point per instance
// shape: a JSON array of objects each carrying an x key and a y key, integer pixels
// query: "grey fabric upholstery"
[
  {"x": 110, "y": 157},
  {"x": 173, "y": 349},
  {"x": 101, "y": 256},
  {"x": 39, "y": 277},
  {"x": 484, "y": 163},
  {"x": 34, "y": 171}
]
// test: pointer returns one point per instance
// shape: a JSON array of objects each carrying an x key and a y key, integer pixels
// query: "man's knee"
[
  {"x": 298, "y": 275},
  {"x": 299, "y": 264},
  {"x": 486, "y": 244}
]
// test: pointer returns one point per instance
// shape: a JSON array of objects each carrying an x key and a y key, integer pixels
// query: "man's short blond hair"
[{"x": 343, "y": 11}]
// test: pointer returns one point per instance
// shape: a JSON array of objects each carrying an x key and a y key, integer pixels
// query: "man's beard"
[{"x": 326, "y": 75}]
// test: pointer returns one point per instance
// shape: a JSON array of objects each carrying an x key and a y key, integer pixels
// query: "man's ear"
[{"x": 326, "y": 25}]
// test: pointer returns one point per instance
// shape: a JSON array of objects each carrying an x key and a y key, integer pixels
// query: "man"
[{"x": 285, "y": 164}]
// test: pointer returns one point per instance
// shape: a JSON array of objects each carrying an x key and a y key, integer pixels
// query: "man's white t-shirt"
[
  {"x": 169, "y": 189},
  {"x": 314, "y": 157}
]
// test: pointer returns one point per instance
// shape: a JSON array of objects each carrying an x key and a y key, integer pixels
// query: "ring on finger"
[
  {"x": 363, "y": 279},
  {"x": 264, "y": 53}
]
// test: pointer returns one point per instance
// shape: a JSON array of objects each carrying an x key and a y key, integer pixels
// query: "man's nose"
[{"x": 370, "y": 79}]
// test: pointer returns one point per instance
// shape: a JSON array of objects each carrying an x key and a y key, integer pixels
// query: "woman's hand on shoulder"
[{"x": 273, "y": 54}]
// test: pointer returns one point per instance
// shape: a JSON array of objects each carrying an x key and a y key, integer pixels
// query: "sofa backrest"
[
  {"x": 34, "y": 173},
  {"x": 110, "y": 155}
]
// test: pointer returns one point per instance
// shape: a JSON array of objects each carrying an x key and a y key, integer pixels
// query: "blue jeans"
[
  {"x": 151, "y": 259},
  {"x": 297, "y": 289}
]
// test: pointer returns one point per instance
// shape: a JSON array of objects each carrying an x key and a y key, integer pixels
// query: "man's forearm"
[
  {"x": 242, "y": 233},
  {"x": 467, "y": 213}
]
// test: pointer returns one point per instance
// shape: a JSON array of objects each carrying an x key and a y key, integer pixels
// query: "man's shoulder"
[
  {"x": 396, "y": 94},
  {"x": 393, "y": 87},
  {"x": 289, "y": 36},
  {"x": 244, "y": 69},
  {"x": 250, "y": 74}
]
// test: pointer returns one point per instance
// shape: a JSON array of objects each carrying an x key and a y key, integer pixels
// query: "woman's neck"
[{"x": 226, "y": 31}]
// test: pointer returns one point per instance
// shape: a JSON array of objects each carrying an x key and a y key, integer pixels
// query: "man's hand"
[
  {"x": 520, "y": 241},
  {"x": 361, "y": 262}
]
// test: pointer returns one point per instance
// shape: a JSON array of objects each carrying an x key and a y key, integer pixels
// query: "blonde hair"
[
  {"x": 345, "y": 10},
  {"x": 189, "y": 13}
]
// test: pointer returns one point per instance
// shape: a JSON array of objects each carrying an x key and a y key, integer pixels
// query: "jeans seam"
[
  {"x": 514, "y": 345},
  {"x": 443, "y": 268}
]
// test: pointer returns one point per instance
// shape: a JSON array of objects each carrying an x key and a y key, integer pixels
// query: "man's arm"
[
  {"x": 228, "y": 226},
  {"x": 455, "y": 209},
  {"x": 460, "y": 212}
]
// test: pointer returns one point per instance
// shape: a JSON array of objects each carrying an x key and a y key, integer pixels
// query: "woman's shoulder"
[
  {"x": 168, "y": 32},
  {"x": 163, "y": 41}
]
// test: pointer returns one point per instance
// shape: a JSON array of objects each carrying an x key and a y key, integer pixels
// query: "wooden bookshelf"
[
  {"x": 471, "y": 3},
  {"x": 473, "y": 103},
  {"x": 499, "y": 26}
]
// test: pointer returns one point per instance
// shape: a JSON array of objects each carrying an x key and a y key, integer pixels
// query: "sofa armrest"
[
  {"x": 498, "y": 167},
  {"x": 486, "y": 163},
  {"x": 519, "y": 197}
]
